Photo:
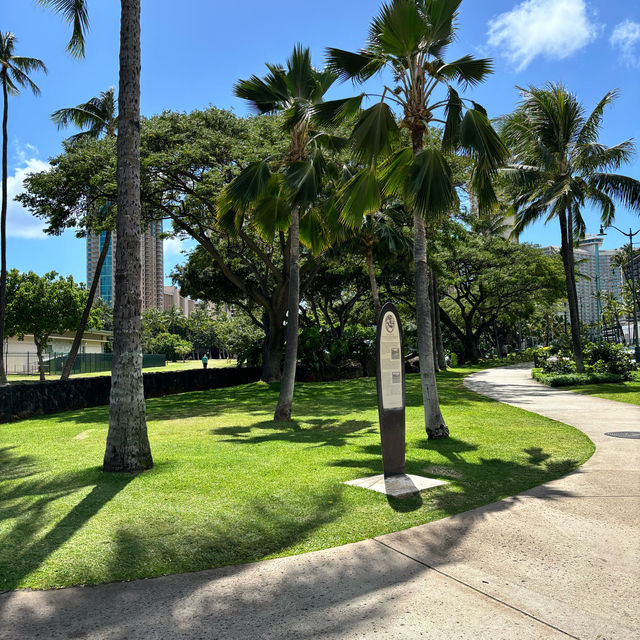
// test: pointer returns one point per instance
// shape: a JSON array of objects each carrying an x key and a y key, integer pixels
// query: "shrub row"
[
  {"x": 573, "y": 379},
  {"x": 21, "y": 401}
]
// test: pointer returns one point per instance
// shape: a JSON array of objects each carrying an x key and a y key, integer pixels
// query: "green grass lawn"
[
  {"x": 170, "y": 366},
  {"x": 230, "y": 486},
  {"x": 628, "y": 392}
]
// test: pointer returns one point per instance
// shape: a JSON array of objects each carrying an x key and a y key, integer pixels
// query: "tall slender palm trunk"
[
  {"x": 568, "y": 262},
  {"x": 435, "y": 425},
  {"x": 373, "y": 282},
  {"x": 127, "y": 441},
  {"x": 77, "y": 341},
  {"x": 285, "y": 400},
  {"x": 3, "y": 228},
  {"x": 442, "y": 363}
]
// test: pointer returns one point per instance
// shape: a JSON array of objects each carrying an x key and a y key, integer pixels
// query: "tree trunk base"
[
  {"x": 438, "y": 432},
  {"x": 128, "y": 466},
  {"x": 282, "y": 414}
]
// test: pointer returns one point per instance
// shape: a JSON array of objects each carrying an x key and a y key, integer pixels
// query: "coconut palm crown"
[
  {"x": 95, "y": 117},
  {"x": 559, "y": 167}
]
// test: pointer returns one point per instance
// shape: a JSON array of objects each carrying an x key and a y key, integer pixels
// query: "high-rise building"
[
  {"x": 596, "y": 273},
  {"x": 152, "y": 266},
  {"x": 172, "y": 298}
]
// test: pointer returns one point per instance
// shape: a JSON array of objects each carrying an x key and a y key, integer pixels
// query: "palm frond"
[
  {"x": 245, "y": 189},
  {"x": 358, "y": 67},
  {"x": 467, "y": 71},
  {"x": 335, "y": 111},
  {"x": 361, "y": 195},
  {"x": 429, "y": 184},
  {"x": 300, "y": 73},
  {"x": 622, "y": 188},
  {"x": 453, "y": 120},
  {"x": 398, "y": 29},
  {"x": 593, "y": 156},
  {"x": 304, "y": 179},
  {"x": 591, "y": 128},
  {"x": 75, "y": 13},
  {"x": 374, "y": 132}
]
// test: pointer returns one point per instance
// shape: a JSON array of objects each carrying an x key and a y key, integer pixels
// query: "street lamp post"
[{"x": 631, "y": 235}]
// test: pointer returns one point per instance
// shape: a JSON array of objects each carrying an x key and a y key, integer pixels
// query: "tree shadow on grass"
[
  {"x": 316, "y": 432},
  {"x": 476, "y": 482},
  {"x": 31, "y": 540}
]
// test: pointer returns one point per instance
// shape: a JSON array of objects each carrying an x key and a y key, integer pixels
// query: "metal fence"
[{"x": 26, "y": 364}]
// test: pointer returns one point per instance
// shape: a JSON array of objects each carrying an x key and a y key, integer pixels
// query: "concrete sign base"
[{"x": 399, "y": 486}]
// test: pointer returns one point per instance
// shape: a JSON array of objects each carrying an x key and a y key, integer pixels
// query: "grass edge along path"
[
  {"x": 627, "y": 392},
  {"x": 229, "y": 486}
]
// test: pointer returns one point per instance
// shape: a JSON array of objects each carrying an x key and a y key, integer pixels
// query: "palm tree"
[
  {"x": 559, "y": 166},
  {"x": 381, "y": 232},
  {"x": 127, "y": 441},
  {"x": 14, "y": 74},
  {"x": 283, "y": 198},
  {"x": 96, "y": 116},
  {"x": 409, "y": 39}
]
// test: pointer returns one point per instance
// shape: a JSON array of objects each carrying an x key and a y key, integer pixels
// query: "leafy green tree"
[
  {"x": 281, "y": 199},
  {"x": 14, "y": 75},
  {"x": 236, "y": 333},
  {"x": 95, "y": 117},
  {"x": 42, "y": 306},
  {"x": 171, "y": 345},
  {"x": 186, "y": 160},
  {"x": 488, "y": 281},
  {"x": 409, "y": 39},
  {"x": 558, "y": 167},
  {"x": 201, "y": 331}
]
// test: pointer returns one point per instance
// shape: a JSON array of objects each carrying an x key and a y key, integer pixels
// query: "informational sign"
[
  {"x": 391, "y": 394},
  {"x": 391, "y": 362}
]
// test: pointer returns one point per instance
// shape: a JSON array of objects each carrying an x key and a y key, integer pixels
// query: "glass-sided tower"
[{"x": 152, "y": 266}]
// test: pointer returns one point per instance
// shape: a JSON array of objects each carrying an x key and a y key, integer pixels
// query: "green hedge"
[{"x": 573, "y": 379}]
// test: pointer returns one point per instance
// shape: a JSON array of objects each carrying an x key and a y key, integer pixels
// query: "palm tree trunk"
[
  {"x": 77, "y": 341},
  {"x": 371, "y": 268},
  {"x": 434, "y": 422},
  {"x": 442, "y": 363},
  {"x": 127, "y": 441},
  {"x": 568, "y": 262},
  {"x": 433, "y": 323},
  {"x": 272, "y": 348},
  {"x": 285, "y": 401},
  {"x": 3, "y": 226}
]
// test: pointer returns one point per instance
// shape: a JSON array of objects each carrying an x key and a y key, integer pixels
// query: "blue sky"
[{"x": 193, "y": 52}]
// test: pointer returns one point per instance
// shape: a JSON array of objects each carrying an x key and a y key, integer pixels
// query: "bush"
[
  {"x": 573, "y": 379},
  {"x": 558, "y": 365},
  {"x": 606, "y": 357}
]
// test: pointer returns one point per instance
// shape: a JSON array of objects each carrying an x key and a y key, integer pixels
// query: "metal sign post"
[{"x": 391, "y": 391}]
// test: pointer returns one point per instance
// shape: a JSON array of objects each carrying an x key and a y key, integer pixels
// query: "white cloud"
[
  {"x": 626, "y": 38},
  {"x": 20, "y": 223},
  {"x": 554, "y": 29}
]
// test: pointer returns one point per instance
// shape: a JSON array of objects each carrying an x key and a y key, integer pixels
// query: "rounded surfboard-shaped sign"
[{"x": 390, "y": 361}]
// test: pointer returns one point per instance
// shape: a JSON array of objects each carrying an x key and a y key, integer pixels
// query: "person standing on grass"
[{"x": 204, "y": 361}]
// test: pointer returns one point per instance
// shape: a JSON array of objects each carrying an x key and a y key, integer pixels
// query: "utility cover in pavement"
[{"x": 634, "y": 435}]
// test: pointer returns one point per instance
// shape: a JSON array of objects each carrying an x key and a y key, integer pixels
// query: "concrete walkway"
[{"x": 561, "y": 560}]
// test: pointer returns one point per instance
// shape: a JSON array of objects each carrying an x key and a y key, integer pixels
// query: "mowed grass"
[
  {"x": 628, "y": 392},
  {"x": 229, "y": 486},
  {"x": 170, "y": 366}
]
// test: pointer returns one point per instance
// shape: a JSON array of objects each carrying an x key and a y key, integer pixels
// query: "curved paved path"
[{"x": 561, "y": 560}]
